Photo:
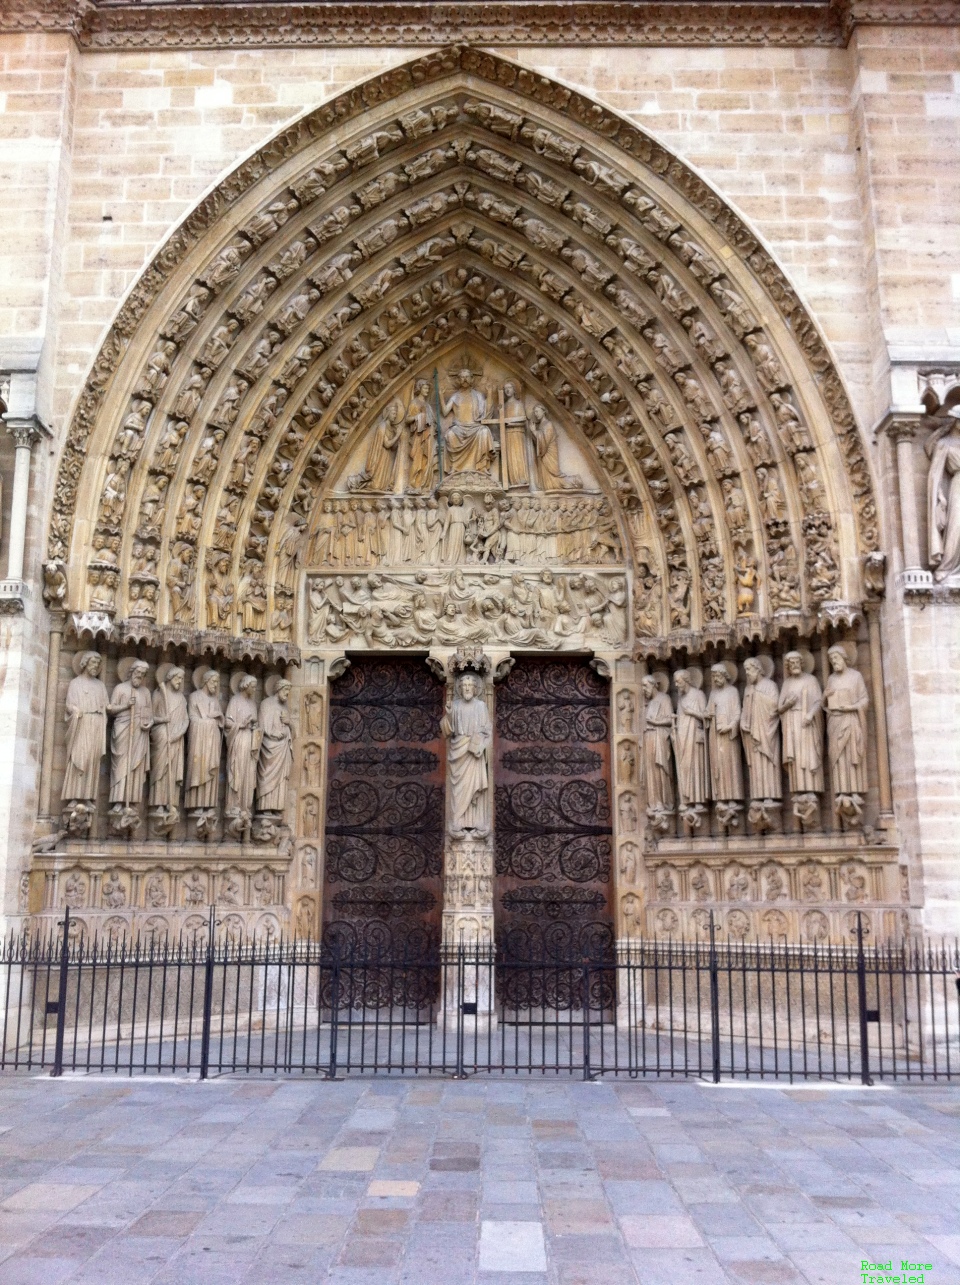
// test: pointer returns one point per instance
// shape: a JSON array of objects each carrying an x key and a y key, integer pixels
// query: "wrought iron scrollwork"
[
  {"x": 553, "y": 854},
  {"x": 384, "y": 822}
]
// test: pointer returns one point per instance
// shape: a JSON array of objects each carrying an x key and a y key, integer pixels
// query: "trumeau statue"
[
  {"x": 167, "y": 735},
  {"x": 276, "y": 746},
  {"x": 86, "y": 716},
  {"x": 132, "y": 710},
  {"x": 943, "y": 500},
  {"x": 466, "y": 724},
  {"x": 205, "y": 740},
  {"x": 760, "y": 726}
]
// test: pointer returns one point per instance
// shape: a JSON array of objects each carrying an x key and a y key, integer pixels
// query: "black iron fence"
[{"x": 708, "y": 1009}]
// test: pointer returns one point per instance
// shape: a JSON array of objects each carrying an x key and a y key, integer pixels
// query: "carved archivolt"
[{"x": 460, "y": 201}]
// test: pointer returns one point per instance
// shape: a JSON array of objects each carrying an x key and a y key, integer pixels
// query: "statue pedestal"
[{"x": 468, "y": 970}]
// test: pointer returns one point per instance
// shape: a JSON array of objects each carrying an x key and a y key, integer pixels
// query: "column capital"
[
  {"x": 902, "y": 426},
  {"x": 25, "y": 430}
]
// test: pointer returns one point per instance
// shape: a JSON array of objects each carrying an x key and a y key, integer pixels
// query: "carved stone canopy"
[{"x": 454, "y": 203}]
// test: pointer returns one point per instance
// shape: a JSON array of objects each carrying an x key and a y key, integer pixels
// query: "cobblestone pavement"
[{"x": 506, "y": 1182}]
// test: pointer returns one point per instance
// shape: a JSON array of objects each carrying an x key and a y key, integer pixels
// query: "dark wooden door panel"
[
  {"x": 553, "y": 816},
  {"x": 384, "y": 821}
]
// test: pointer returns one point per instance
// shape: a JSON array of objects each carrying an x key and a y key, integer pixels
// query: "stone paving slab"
[{"x": 483, "y": 1182}]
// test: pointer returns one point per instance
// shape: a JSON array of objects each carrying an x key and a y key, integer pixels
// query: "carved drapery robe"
[
  {"x": 690, "y": 748},
  {"x": 170, "y": 723},
  {"x": 86, "y": 716},
  {"x": 203, "y": 750},
  {"x": 548, "y": 456},
  {"x": 129, "y": 742},
  {"x": 468, "y": 442},
  {"x": 381, "y": 465},
  {"x": 847, "y": 731},
  {"x": 943, "y": 497},
  {"x": 243, "y": 748},
  {"x": 800, "y": 698},
  {"x": 423, "y": 444},
  {"x": 516, "y": 465},
  {"x": 468, "y": 727},
  {"x": 276, "y": 755},
  {"x": 760, "y": 724},
  {"x": 657, "y": 756},
  {"x": 726, "y": 770}
]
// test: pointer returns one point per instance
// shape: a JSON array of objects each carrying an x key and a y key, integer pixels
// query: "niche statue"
[
  {"x": 466, "y": 724},
  {"x": 802, "y": 723},
  {"x": 132, "y": 710},
  {"x": 203, "y": 749},
  {"x": 846, "y": 700},
  {"x": 690, "y": 746},
  {"x": 243, "y": 751},
  {"x": 167, "y": 735},
  {"x": 276, "y": 746},
  {"x": 760, "y": 727},
  {"x": 657, "y": 755},
  {"x": 723, "y": 719},
  {"x": 86, "y": 717}
]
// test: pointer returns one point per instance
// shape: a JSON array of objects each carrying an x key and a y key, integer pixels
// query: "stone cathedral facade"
[{"x": 481, "y": 476}]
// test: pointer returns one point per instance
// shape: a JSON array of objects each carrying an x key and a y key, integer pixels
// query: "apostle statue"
[
  {"x": 690, "y": 744},
  {"x": 205, "y": 741},
  {"x": 943, "y": 500},
  {"x": 132, "y": 710},
  {"x": 86, "y": 715},
  {"x": 470, "y": 447},
  {"x": 802, "y": 723},
  {"x": 547, "y": 447},
  {"x": 723, "y": 720},
  {"x": 466, "y": 724},
  {"x": 516, "y": 464},
  {"x": 167, "y": 736},
  {"x": 243, "y": 751},
  {"x": 846, "y": 700},
  {"x": 760, "y": 725},
  {"x": 657, "y": 754},
  {"x": 422, "y": 427},
  {"x": 276, "y": 746}
]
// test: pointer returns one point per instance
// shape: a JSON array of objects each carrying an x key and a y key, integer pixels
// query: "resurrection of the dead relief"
[{"x": 484, "y": 367}]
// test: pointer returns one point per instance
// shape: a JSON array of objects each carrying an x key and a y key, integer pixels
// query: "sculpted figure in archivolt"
[
  {"x": 86, "y": 716},
  {"x": 466, "y": 724}
]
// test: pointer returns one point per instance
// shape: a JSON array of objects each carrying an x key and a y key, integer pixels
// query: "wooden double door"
[{"x": 552, "y": 815}]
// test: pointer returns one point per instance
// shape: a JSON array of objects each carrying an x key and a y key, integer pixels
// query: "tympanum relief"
[{"x": 466, "y": 515}]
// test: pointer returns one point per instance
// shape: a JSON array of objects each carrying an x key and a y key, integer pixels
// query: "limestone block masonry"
[{"x": 626, "y": 341}]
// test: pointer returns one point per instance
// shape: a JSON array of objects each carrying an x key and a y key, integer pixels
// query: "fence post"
[
  {"x": 714, "y": 1002},
  {"x": 62, "y": 996},
  {"x": 865, "y": 1077},
  {"x": 586, "y": 1019},
  {"x": 334, "y": 1010},
  {"x": 460, "y": 1073},
  {"x": 207, "y": 1001}
]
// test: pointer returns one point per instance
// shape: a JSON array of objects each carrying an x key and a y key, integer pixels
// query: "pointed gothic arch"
[{"x": 461, "y": 200}]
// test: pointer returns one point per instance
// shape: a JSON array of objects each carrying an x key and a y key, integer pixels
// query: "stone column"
[
  {"x": 902, "y": 430},
  {"x": 57, "y": 620},
  {"x": 884, "y": 790},
  {"x": 24, "y": 433}
]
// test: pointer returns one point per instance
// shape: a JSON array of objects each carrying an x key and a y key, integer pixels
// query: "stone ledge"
[{"x": 149, "y": 24}]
